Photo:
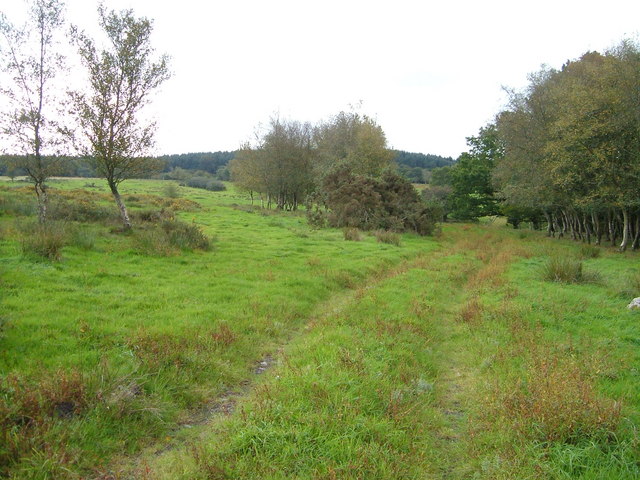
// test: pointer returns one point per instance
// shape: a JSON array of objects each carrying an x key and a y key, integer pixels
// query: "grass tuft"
[
  {"x": 567, "y": 270},
  {"x": 352, "y": 234},
  {"x": 44, "y": 241},
  {"x": 590, "y": 251},
  {"x": 385, "y": 236}
]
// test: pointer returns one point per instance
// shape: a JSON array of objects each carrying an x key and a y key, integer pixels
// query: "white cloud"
[{"x": 430, "y": 72}]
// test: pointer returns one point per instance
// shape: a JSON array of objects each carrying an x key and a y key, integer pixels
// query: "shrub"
[
  {"x": 216, "y": 186},
  {"x": 385, "y": 236},
  {"x": 389, "y": 202},
  {"x": 206, "y": 183},
  {"x": 44, "y": 241},
  {"x": 152, "y": 216},
  {"x": 170, "y": 190},
  {"x": 185, "y": 236},
  {"x": 80, "y": 210},
  {"x": 152, "y": 241},
  {"x": 351, "y": 234}
]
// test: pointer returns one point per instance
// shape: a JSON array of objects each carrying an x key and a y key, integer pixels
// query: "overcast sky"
[{"x": 430, "y": 73}]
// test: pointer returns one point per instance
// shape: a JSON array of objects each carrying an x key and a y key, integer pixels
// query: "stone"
[{"x": 635, "y": 304}]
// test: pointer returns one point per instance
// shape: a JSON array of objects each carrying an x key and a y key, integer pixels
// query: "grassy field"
[{"x": 286, "y": 352}]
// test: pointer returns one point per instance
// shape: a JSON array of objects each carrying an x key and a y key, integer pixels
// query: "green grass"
[
  {"x": 118, "y": 317},
  {"x": 448, "y": 357}
]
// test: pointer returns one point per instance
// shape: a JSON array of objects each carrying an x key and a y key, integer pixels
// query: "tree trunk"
[
  {"x": 612, "y": 228},
  {"x": 636, "y": 237},
  {"x": 124, "y": 215},
  {"x": 550, "y": 231},
  {"x": 625, "y": 229},
  {"x": 596, "y": 228},
  {"x": 43, "y": 200},
  {"x": 587, "y": 227}
]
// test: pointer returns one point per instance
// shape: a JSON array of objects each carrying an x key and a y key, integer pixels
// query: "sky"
[{"x": 430, "y": 73}]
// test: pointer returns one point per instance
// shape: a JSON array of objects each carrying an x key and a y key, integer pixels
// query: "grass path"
[
  {"x": 196, "y": 423},
  {"x": 429, "y": 394}
]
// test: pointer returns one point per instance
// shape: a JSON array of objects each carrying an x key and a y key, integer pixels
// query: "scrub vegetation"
[{"x": 266, "y": 348}]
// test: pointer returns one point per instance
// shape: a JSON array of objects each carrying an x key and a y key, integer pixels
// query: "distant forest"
[{"x": 414, "y": 166}]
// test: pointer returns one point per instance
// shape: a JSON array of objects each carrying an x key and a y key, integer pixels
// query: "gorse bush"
[{"x": 389, "y": 202}]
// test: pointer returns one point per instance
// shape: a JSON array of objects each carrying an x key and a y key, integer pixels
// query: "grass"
[
  {"x": 451, "y": 357},
  {"x": 181, "y": 327}
]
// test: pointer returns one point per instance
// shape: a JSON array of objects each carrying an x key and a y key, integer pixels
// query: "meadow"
[{"x": 281, "y": 351}]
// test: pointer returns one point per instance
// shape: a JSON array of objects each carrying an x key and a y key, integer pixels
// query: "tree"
[
  {"x": 572, "y": 144},
  {"x": 356, "y": 140},
  {"x": 472, "y": 194},
  {"x": 29, "y": 122},
  {"x": 280, "y": 166},
  {"x": 121, "y": 78}
]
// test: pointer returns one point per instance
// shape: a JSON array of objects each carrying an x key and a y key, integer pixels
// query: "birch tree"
[
  {"x": 122, "y": 76},
  {"x": 31, "y": 59}
]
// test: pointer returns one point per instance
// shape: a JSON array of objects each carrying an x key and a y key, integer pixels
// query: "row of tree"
[
  {"x": 42, "y": 122},
  {"x": 565, "y": 153},
  {"x": 341, "y": 169},
  {"x": 285, "y": 162},
  {"x": 571, "y": 147}
]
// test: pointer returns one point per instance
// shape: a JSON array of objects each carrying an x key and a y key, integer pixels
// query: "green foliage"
[
  {"x": 421, "y": 160},
  {"x": 472, "y": 193},
  {"x": 280, "y": 166},
  {"x": 571, "y": 146},
  {"x": 32, "y": 57},
  {"x": 441, "y": 176},
  {"x": 353, "y": 139},
  {"x": 122, "y": 76}
]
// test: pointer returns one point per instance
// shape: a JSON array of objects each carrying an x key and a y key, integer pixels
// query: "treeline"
[
  {"x": 210, "y": 162},
  {"x": 565, "y": 153},
  {"x": 341, "y": 170},
  {"x": 416, "y": 167}
]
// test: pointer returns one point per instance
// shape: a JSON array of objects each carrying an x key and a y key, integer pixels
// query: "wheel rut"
[{"x": 225, "y": 404}]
